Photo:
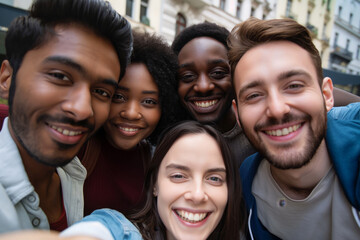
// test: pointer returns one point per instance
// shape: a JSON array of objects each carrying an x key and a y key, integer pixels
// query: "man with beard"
[
  {"x": 63, "y": 65},
  {"x": 304, "y": 181}
]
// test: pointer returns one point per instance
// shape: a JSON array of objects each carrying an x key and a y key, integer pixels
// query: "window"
[
  {"x": 340, "y": 9},
  {"x": 252, "y": 12},
  {"x": 143, "y": 10},
  {"x": 222, "y": 4},
  {"x": 358, "y": 53},
  {"x": 238, "y": 8},
  {"x": 336, "y": 39},
  {"x": 308, "y": 17},
  {"x": 350, "y": 18},
  {"x": 347, "y": 44},
  {"x": 180, "y": 23},
  {"x": 288, "y": 8},
  {"x": 129, "y": 7}
]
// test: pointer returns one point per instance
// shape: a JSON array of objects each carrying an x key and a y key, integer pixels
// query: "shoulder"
[
  {"x": 349, "y": 112},
  {"x": 105, "y": 224}
]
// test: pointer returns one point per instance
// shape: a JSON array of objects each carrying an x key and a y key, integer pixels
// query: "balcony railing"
[{"x": 343, "y": 53}]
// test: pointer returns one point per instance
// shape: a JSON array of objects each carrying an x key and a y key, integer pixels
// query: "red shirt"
[
  {"x": 4, "y": 112},
  {"x": 116, "y": 181}
]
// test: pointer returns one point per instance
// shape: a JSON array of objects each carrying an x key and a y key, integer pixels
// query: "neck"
[
  {"x": 45, "y": 181},
  {"x": 298, "y": 183},
  {"x": 227, "y": 122}
]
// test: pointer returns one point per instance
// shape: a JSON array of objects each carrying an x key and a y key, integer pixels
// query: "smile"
[
  {"x": 129, "y": 129},
  {"x": 284, "y": 131},
  {"x": 205, "y": 104},
  {"x": 66, "y": 132},
  {"x": 191, "y": 217}
]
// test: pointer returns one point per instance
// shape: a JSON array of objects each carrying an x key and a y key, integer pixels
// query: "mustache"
[
  {"x": 66, "y": 120},
  {"x": 289, "y": 117}
]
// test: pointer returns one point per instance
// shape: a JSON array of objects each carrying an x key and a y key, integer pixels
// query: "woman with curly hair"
[{"x": 143, "y": 105}]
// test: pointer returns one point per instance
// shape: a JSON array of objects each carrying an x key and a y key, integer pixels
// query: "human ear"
[
  {"x": 327, "y": 92},
  {"x": 234, "y": 106},
  {"x": 155, "y": 191},
  {"x": 5, "y": 79}
]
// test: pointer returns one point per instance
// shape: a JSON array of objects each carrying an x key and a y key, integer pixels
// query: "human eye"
[
  {"x": 295, "y": 86},
  {"x": 102, "y": 93},
  {"x": 118, "y": 98},
  {"x": 219, "y": 73},
  {"x": 252, "y": 97},
  {"x": 150, "y": 102},
  {"x": 177, "y": 177},
  {"x": 216, "y": 180},
  {"x": 187, "y": 77},
  {"x": 59, "y": 77}
]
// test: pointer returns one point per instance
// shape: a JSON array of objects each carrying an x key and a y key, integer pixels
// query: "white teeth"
[
  {"x": 205, "y": 104},
  {"x": 284, "y": 131},
  {"x": 129, "y": 129},
  {"x": 66, "y": 132},
  {"x": 191, "y": 217}
]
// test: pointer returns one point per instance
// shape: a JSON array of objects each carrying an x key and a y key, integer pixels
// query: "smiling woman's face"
[{"x": 191, "y": 187}]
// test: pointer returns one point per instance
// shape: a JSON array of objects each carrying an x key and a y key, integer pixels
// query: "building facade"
[{"x": 345, "y": 40}]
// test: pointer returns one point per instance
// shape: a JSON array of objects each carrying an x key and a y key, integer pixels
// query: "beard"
[{"x": 286, "y": 155}]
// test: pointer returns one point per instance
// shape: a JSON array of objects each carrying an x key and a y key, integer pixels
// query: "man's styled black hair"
[
  {"x": 162, "y": 64},
  {"x": 205, "y": 29},
  {"x": 29, "y": 32}
]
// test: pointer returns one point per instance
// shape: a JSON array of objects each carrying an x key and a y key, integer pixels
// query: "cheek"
[
  {"x": 101, "y": 112},
  {"x": 183, "y": 89}
]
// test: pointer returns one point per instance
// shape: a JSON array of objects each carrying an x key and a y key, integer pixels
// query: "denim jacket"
[{"x": 105, "y": 224}]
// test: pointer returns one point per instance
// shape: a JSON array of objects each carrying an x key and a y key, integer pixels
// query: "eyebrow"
[
  {"x": 185, "y": 168},
  {"x": 282, "y": 76},
  {"x": 72, "y": 64},
  {"x": 211, "y": 61},
  {"x": 143, "y": 92}
]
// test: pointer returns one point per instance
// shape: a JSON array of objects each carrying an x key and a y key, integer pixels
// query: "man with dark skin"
[{"x": 63, "y": 64}]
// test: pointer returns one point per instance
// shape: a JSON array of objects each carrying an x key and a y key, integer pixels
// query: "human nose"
[
  {"x": 277, "y": 105},
  {"x": 203, "y": 84},
  {"x": 196, "y": 193},
  {"x": 131, "y": 111},
  {"x": 79, "y": 103}
]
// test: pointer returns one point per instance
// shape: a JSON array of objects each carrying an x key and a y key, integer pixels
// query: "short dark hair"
[
  {"x": 233, "y": 219},
  {"x": 29, "y": 32},
  {"x": 205, "y": 29},
  {"x": 253, "y": 32},
  {"x": 162, "y": 64}
]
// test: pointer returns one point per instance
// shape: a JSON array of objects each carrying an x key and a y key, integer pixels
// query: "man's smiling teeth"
[
  {"x": 284, "y": 131},
  {"x": 205, "y": 104},
  {"x": 129, "y": 129},
  {"x": 65, "y": 131},
  {"x": 191, "y": 217}
]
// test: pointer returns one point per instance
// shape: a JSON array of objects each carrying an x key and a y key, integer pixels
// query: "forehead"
[
  {"x": 204, "y": 47},
  {"x": 137, "y": 76},
  {"x": 268, "y": 61},
  {"x": 81, "y": 45},
  {"x": 196, "y": 151}
]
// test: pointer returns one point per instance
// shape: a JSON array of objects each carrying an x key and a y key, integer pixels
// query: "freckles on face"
[
  {"x": 191, "y": 186},
  {"x": 135, "y": 110}
]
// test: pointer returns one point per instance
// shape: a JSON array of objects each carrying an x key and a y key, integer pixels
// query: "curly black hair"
[
  {"x": 162, "y": 64},
  {"x": 205, "y": 29}
]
